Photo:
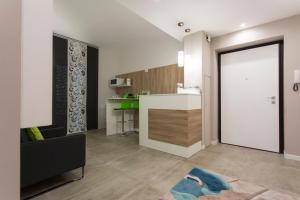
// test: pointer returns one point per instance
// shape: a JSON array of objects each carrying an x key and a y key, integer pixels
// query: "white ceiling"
[
  {"x": 103, "y": 23},
  {"x": 123, "y": 22},
  {"x": 216, "y": 17}
]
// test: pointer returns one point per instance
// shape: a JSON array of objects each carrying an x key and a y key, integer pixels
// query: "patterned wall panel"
[{"x": 77, "y": 86}]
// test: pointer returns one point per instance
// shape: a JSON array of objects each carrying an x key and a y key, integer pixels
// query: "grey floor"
[{"x": 118, "y": 169}]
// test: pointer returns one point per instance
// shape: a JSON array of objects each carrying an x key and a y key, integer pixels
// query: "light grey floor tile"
[{"x": 119, "y": 169}]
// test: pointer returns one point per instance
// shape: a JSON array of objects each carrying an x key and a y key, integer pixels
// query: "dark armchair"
[{"x": 41, "y": 160}]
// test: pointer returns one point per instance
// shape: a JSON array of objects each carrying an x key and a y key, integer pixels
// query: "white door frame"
[{"x": 281, "y": 90}]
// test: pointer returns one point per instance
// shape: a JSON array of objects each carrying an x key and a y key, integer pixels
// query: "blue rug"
[{"x": 198, "y": 183}]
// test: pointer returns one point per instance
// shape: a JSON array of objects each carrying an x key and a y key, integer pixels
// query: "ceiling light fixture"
[
  {"x": 180, "y": 24},
  {"x": 187, "y": 30},
  {"x": 243, "y": 25}
]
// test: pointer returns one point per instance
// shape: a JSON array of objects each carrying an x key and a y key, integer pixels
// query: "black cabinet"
[{"x": 92, "y": 88}]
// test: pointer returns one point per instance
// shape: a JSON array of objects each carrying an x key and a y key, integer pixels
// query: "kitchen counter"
[
  {"x": 171, "y": 123},
  {"x": 175, "y": 94},
  {"x": 120, "y": 98}
]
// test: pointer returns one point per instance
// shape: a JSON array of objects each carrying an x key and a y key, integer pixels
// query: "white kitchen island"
[{"x": 171, "y": 123}]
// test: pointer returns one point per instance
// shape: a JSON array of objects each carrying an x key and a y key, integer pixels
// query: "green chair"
[{"x": 125, "y": 105}]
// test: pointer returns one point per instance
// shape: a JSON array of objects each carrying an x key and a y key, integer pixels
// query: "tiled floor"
[{"x": 119, "y": 169}]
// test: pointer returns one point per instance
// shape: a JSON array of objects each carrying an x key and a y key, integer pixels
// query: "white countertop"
[
  {"x": 133, "y": 99},
  {"x": 172, "y": 95},
  {"x": 171, "y": 101},
  {"x": 116, "y": 98},
  {"x": 150, "y": 95}
]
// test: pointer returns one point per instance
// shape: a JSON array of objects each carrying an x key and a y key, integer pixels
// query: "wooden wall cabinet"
[{"x": 161, "y": 80}]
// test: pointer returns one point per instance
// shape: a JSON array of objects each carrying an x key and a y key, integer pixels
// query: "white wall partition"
[
  {"x": 197, "y": 73},
  {"x": 36, "y": 85},
  {"x": 193, "y": 60}
]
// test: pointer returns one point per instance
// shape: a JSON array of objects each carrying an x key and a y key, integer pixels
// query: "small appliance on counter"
[
  {"x": 145, "y": 92},
  {"x": 116, "y": 82}
]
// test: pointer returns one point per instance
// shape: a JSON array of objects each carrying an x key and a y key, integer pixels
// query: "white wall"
[
  {"x": 289, "y": 30},
  {"x": 148, "y": 54},
  {"x": 206, "y": 91},
  {"x": 108, "y": 67},
  {"x": 198, "y": 73},
  {"x": 36, "y": 99},
  {"x": 10, "y": 82}
]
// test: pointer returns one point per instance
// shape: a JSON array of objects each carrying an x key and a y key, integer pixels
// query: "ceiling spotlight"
[
  {"x": 243, "y": 25},
  {"x": 187, "y": 30},
  {"x": 180, "y": 24}
]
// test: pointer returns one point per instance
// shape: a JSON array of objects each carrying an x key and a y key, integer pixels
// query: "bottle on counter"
[{"x": 128, "y": 81}]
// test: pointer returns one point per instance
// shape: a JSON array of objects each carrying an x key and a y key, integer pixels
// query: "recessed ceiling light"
[
  {"x": 243, "y": 25},
  {"x": 180, "y": 24},
  {"x": 187, "y": 30}
]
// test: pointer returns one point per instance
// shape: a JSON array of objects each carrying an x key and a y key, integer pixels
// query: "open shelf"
[{"x": 120, "y": 86}]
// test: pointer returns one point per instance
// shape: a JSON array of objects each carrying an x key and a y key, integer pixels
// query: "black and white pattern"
[{"x": 77, "y": 86}]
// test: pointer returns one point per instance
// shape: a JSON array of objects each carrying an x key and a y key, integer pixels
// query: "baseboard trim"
[
  {"x": 291, "y": 157},
  {"x": 214, "y": 142}
]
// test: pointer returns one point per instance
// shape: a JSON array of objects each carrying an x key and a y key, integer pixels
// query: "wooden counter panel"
[{"x": 180, "y": 127}]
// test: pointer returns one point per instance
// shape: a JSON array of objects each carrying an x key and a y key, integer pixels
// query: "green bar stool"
[{"x": 125, "y": 106}]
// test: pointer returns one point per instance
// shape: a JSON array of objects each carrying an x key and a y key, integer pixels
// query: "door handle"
[{"x": 271, "y": 97}]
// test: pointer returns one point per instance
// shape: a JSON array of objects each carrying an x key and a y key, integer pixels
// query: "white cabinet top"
[
  {"x": 171, "y": 101},
  {"x": 172, "y": 95}
]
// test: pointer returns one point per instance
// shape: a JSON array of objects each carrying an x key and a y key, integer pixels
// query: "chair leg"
[
  {"x": 123, "y": 121},
  {"x": 123, "y": 124}
]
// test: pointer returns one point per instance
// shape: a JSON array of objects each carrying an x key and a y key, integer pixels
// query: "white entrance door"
[{"x": 250, "y": 98}]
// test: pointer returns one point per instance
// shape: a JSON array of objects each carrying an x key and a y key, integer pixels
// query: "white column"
[{"x": 36, "y": 84}]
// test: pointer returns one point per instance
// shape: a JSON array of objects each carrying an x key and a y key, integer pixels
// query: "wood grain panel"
[
  {"x": 180, "y": 127},
  {"x": 161, "y": 80},
  {"x": 136, "y": 82}
]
